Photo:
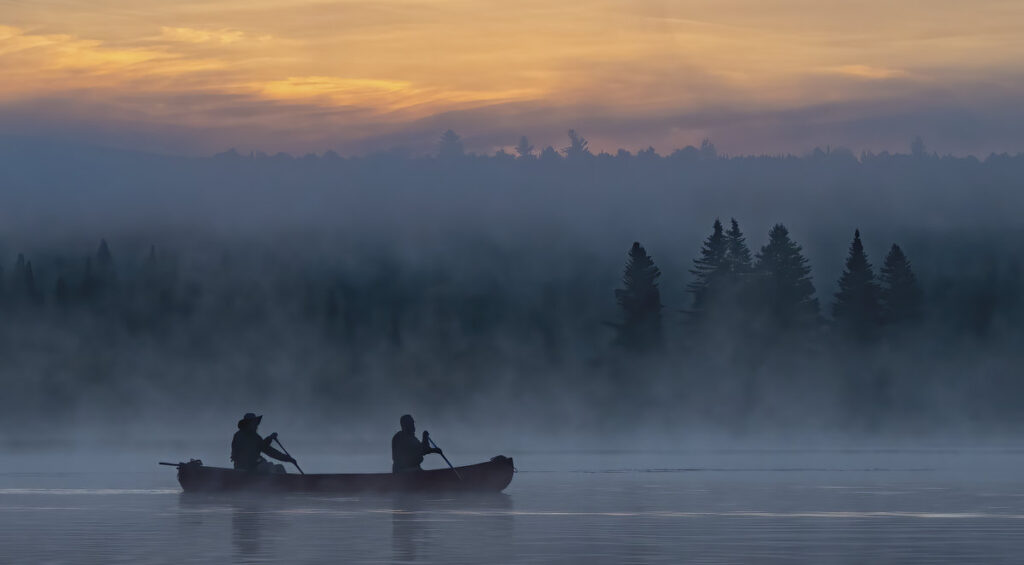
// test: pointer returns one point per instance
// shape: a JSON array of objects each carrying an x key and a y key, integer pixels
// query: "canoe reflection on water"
[{"x": 419, "y": 524}]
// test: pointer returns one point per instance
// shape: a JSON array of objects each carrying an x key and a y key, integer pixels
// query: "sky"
[{"x": 196, "y": 77}]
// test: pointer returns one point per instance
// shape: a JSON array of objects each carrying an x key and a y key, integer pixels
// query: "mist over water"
[
  {"x": 705, "y": 505},
  {"x": 337, "y": 293},
  {"x": 149, "y": 301}
]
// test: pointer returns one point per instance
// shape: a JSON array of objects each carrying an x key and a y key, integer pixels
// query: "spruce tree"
[
  {"x": 450, "y": 146},
  {"x": 785, "y": 293},
  {"x": 857, "y": 308},
  {"x": 900, "y": 293},
  {"x": 710, "y": 270},
  {"x": 737, "y": 254},
  {"x": 578, "y": 146},
  {"x": 524, "y": 149},
  {"x": 640, "y": 301}
]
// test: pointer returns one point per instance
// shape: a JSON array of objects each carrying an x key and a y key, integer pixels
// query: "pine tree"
[
  {"x": 523, "y": 148},
  {"x": 105, "y": 265},
  {"x": 857, "y": 308},
  {"x": 32, "y": 293},
  {"x": 640, "y": 301},
  {"x": 785, "y": 293},
  {"x": 710, "y": 270},
  {"x": 900, "y": 293},
  {"x": 578, "y": 146},
  {"x": 737, "y": 254},
  {"x": 450, "y": 146},
  {"x": 23, "y": 283}
]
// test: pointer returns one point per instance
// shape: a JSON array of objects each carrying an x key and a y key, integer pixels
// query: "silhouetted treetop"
[
  {"x": 901, "y": 297},
  {"x": 450, "y": 146},
  {"x": 737, "y": 254},
  {"x": 856, "y": 308},
  {"x": 578, "y": 146},
  {"x": 640, "y": 302},
  {"x": 524, "y": 149},
  {"x": 710, "y": 270},
  {"x": 785, "y": 293}
]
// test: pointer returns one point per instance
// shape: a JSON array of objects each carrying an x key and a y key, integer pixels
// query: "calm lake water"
[{"x": 704, "y": 506}]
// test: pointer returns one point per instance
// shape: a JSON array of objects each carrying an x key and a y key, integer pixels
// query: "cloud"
[
  {"x": 192, "y": 35},
  {"x": 865, "y": 71}
]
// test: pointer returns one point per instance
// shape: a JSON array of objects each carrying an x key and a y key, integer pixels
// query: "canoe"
[{"x": 491, "y": 476}]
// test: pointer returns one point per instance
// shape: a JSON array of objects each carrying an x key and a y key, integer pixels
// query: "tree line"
[{"x": 771, "y": 291}]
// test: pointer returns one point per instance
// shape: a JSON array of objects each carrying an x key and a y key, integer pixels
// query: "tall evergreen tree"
[
  {"x": 524, "y": 149},
  {"x": 23, "y": 281},
  {"x": 710, "y": 270},
  {"x": 450, "y": 145},
  {"x": 737, "y": 254},
  {"x": 785, "y": 293},
  {"x": 578, "y": 146},
  {"x": 640, "y": 301},
  {"x": 857, "y": 308},
  {"x": 900, "y": 293}
]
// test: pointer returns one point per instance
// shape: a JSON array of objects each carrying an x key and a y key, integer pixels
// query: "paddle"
[
  {"x": 294, "y": 462},
  {"x": 431, "y": 440}
]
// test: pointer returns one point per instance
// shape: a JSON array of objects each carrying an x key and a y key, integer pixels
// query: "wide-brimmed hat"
[{"x": 249, "y": 416}]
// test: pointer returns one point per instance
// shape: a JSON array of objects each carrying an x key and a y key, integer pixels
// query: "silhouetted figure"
[
  {"x": 247, "y": 447},
  {"x": 406, "y": 451}
]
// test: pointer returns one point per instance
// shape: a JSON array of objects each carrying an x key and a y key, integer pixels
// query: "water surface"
[{"x": 704, "y": 506}]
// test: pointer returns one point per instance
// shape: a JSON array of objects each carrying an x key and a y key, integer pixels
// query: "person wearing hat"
[
  {"x": 406, "y": 451},
  {"x": 247, "y": 447}
]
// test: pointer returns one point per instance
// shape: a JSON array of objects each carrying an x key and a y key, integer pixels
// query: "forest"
[{"x": 588, "y": 291}]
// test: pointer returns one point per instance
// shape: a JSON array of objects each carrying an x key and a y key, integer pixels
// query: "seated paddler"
[
  {"x": 247, "y": 448},
  {"x": 406, "y": 451}
]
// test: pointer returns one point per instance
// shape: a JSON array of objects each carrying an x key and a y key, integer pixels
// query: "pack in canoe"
[{"x": 492, "y": 476}]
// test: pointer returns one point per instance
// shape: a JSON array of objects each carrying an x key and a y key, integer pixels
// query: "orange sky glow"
[{"x": 308, "y": 75}]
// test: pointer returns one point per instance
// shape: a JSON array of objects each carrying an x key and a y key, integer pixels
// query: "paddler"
[
  {"x": 247, "y": 447},
  {"x": 406, "y": 451}
]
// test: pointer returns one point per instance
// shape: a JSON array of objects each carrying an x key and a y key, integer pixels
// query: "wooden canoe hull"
[{"x": 492, "y": 476}]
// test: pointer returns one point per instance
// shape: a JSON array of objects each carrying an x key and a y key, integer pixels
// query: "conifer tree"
[
  {"x": 857, "y": 308},
  {"x": 450, "y": 145},
  {"x": 737, "y": 254},
  {"x": 710, "y": 270},
  {"x": 785, "y": 293},
  {"x": 31, "y": 291},
  {"x": 578, "y": 146},
  {"x": 23, "y": 283},
  {"x": 640, "y": 301},
  {"x": 900, "y": 293},
  {"x": 524, "y": 149}
]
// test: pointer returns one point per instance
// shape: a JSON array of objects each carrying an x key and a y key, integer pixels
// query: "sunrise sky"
[{"x": 195, "y": 77}]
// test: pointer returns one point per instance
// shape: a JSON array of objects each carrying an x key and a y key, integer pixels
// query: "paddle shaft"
[
  {"x": 294, "y": 462},
  {"x": 431, "y": 440}
]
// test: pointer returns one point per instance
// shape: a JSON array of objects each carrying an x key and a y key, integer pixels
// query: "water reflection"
[{"x": 423, "y": 527}]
